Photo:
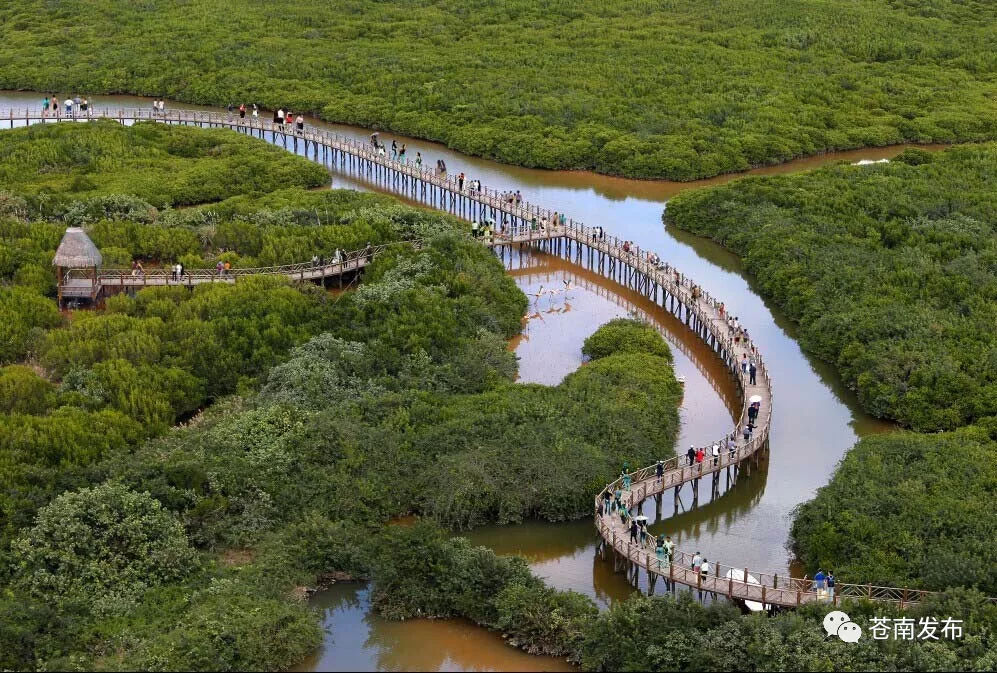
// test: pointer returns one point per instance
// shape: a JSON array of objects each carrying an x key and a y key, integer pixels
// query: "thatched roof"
[{"x": 77, "y": 251}]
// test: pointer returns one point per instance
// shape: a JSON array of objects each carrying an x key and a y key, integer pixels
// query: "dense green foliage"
[
  {"x": 663, "y": 634},
  {"x": 908, "y": 510},
  {"x": 889, "y": 269},
  {"x": 683, "y": 89},
  {"x": 103, "y": 547},
  {"x": 161, "y": 164},
  {"x": 624, "y": 335}
]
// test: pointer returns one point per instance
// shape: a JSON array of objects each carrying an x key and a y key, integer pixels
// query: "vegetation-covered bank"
[
  {"x": 889, "y": 271},
  {"x": 908, "y": 510},
  {"x": 681, "y": 90}
]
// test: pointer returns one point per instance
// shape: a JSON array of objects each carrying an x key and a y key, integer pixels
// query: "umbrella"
[
  {"x": 755, "y": 398},
  {"x": 640, "y": 519}
]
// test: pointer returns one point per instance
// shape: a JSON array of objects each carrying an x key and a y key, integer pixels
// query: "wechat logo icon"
[{"x": 837, "y": 623}]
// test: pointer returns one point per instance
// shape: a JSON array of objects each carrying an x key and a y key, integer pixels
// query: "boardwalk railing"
[
  {"x": 350, "y": 261},
  {"x": 525, "y": 223}
]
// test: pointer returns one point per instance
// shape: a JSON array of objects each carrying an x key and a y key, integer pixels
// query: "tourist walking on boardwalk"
[
  {"x": 643, "y": 532},
  {"x": 659, "y": 470},
  {"x": 716, "y": 455},
  {"x": 607, "y": 500},
  {"x": 162, "y": 107},
  {"x": 830, "y": 585},
  {"x": 69, "y": 107},
  {"x": 819, "y": 582},
  {"x": 669, "y": 548},
  {"x": 691, "y": 454},
  {"x": 55, "y": 105},
  {"x": 634, "y": 529},
  {"x": 418, "y": 160},
  {"x": 700, "y": 456},
  {"x": 289, "y": 119},
  {"x": 752, "y": 371},
  {"x": 45, "y": 107},
  {"x": 228, "y": 268},
  {"x": 256, "y": 111},
  {"x": 704, "y": 568},
  {"x": 744, "y": 363},
  {"x": 155, "y": 107},
  {"x": 300, "y": 123},
  {"x": 460, "y": 182},
  {"x": 401, "y": 154},
  {"x": 394, "y": 150},
  {"x": 659, "y": 549},
  {"x": 85, "y": 107},
  {"x": 368, "y": 252},
  {"x": 278, "y": 117},
  {"x": 697, "y": 562},
  {"x": 242, "y": 110}
]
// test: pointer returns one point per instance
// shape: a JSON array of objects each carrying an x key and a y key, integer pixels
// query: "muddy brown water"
[{"x": 814, "y": 423}]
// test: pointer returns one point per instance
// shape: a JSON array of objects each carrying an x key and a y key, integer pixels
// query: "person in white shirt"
[
  {"x": 704, "y": 569},
  {"x": 716, "y": 455}
]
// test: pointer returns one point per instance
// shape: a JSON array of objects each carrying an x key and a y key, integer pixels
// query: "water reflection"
[{"x": 358, "y": 640}]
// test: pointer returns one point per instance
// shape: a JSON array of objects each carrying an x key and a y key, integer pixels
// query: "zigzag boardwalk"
[{"x": 527, "y": 225}]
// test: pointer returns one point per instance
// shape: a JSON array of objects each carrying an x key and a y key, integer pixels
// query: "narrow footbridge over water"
[{"x": 518, "y": 223}]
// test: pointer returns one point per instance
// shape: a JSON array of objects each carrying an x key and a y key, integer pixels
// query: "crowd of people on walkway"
[
  {"x": 612, "y": 503},
  {"x": 73, "y": 106}
]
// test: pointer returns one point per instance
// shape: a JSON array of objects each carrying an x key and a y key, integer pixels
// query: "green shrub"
[
  {"x": 623, "y": 335},
  {"x": 23, "y": 391},
  {"x": 103, "y": 546}
]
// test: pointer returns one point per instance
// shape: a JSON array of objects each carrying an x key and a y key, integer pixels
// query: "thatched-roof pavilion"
[{"x": 77, "y": 251}]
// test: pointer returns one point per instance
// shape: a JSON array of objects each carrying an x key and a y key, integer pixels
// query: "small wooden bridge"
[{"x": 520, "y": 223}]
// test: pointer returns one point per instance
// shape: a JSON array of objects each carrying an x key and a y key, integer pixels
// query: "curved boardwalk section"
[{"x": 518, "y": 223}]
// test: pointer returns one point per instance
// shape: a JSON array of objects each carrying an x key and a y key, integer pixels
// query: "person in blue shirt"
[{"x": 819, "y": 580}]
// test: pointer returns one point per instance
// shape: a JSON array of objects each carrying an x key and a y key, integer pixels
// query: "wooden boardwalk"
[
  {"x": 518, "y": 223},
  {"x": 77, "y": 283}
]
